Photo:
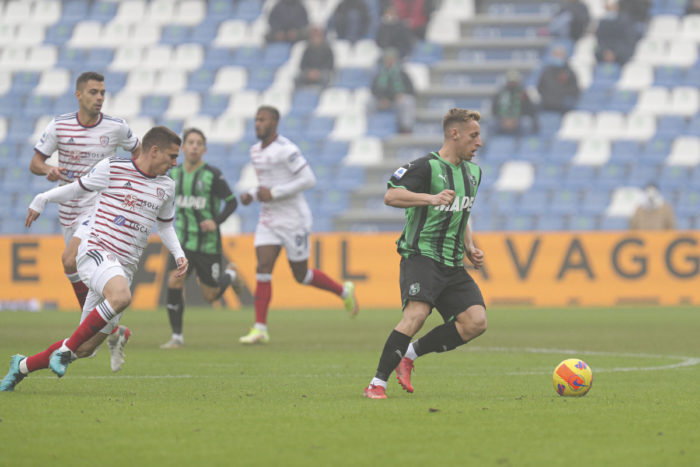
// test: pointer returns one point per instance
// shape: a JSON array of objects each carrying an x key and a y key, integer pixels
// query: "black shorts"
[
  {"x": 450, "y": 290},
  {"x": 207, "y": 266}
]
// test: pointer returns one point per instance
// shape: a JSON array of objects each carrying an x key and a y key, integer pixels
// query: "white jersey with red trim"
[
  {"x": 276, "y": 164},
  {"x": 128, "y": 204},
  {"x": 79, "y": 149}
]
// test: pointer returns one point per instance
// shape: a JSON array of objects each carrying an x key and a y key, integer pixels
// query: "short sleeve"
[
  {"x": 221, "y": 188},
  {"x": 48, "y": 143},
  {"x": 166, "y": 213},
  {"x": 414, "y": 176},
  {"x": 294, "y": 160},
  {"x": 98, "y": 177},
  {"x": 127, "y": 140}
]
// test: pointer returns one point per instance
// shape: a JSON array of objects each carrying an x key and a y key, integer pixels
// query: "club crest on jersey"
[
  {"x": 414, "y": 288},
  {"x": 104, "y": 140},
  {"x": 400, "y": 172},
  {"x": 472, "y": 179},
  {"x": 160, "y": 193},
  {"x": 130, "y": 202}
]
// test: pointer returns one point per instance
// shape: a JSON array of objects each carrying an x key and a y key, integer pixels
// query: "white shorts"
[
  {"x": 296, "y": 242},
  {"x": 78, "y": 229},
  {"x": 96, "y": 268}
]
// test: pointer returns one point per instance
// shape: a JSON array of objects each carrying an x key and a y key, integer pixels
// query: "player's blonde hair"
[{"x": 459, "y": 116}]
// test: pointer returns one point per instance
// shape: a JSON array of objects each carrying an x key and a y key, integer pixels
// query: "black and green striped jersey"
[
  {"x": 437, "y": 231},
  {"x": 198, "y": 196}
]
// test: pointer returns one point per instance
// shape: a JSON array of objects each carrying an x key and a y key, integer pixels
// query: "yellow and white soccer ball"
[{"x": 572, "y": 378}]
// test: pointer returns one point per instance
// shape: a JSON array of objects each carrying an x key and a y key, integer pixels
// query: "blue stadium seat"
[
  {"x": 382, "y": 124},
  {"x": 350, "y": 177},
  {"x": 581, "y": 176},
  {"x": 593, "y": 99},
  {"x": 688, "y": 203},
  {"x": 217, "y": 57},
  {"x": 611, "y": 175},
  {"x": 504, "y": 202},
  {"x": 426, "y": 52},
  {"x": 220, "y": 10},
  {"x": 36, "y": 106},
  {"x": 562, "y": 150},
  {"x": 656, "y": 149},
  {"x": 72, "y": 59},
  {"x": 205, "y": 32},
  {"x": 614, "y": 223},
  {"x": 581, "y": 222},
  {"x": 606, "y": 74},
  {"x": 246, "y": 56},
  {"x": 261, "y": 77},
  {"x": 275, "y": 54},
  {"x": 100, "y": 58},
  {"x": 549, "y": 123},
  {"x": 103, "y": 11},
  {"x": 669, "y": 126},
  {"x": 353, "y": 78},
  {"x": 59, "y": 34},
  {"x": 565, "y": 200},
  {"x": 692, "y": 75},
  {"x": 672, "y": 176},
  {"x": 305, "y": 100},
  {"x": 319, "y": 127},
  {"x": 293, "y": 126},
  {"x": 595, "y": 201},
  {"x": 518, "y": 222},
  {"x": 174, "y": 34},
  {"x": 248, "y": 10},
  {"x": 640, "y": 175},
  {"x": 154, "y": 106},
  {"x": 308, "y": 147},
  {"x": 201, "y": 80},
  {"x": 622, "y": 101},
  {"x": 214, "y": 104},
  {"x": 693, "y": 128},
  {"x": 552, "y": 223},
  {"x": 535, "y": 200},
  {"x": 549, "y": 174},
  {"x": 64, "y": 104},
  {"x": 24, "y": 82},
  {"x": 174, "y": 124},
  {"x": 9, "y": 103},
  {"x": 74, "y": 10},
  {"x": 333, "y": 151},
  {"x": 668, "y": 76},
  {"x": 625, "y": 152},
  {"x": 533, "y": 148}
]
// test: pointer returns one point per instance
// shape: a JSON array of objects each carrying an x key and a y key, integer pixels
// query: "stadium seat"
[
  {"x": 365, "y": 151},
  {"x": 623, "y": 204},
  {"x": 609, "y": 125},
  {"x": 548, "y": 175},
  {"x": 426, "y": 52},
  {"x": 640, "y": 127},
  {"x": 305, "y": 100},
  {"x": 576, "y": 124},
  {"x": 182, "y": 105},
  {"x": 515, "y": 176},
  {"x": 200, "y": 80},
  {"x": 622, "y": 100},
  {"x": 353, "y": 78},
  {"x": 279, "y": 97},
  {"x": 624, "y": 152},
  {"x": 227, "y": 129},
  {"x": 668, "y": 76},
  {"x": 580, "y": 176},
  {"x": 74, "y": 11},
  {"x": 334, "y": 102},
  {"x": 202, "y": 122},
  {"x": 125, "y": 105},
  {"x": 364, "y": 54},
  {"x": 611, "y": 175},
  {"x": 690, "y": 29},
  {"x": 443, "y": 29},
  {"x": 685, "y": 151},
  {"x": 669, "y": 126},
  {"x": 232, "y": 33},
  {"x": 682, "y": 53},
  {"x": 154, "y": 106},
  {"x": 651, "y": 51},
  {"x": 685, "y": 101},
  {"x": 189, "y": 12},
  {"x": 260, "y": 77},
  {"x": 244, "y": 103},
  {"x": 140, "y": 82},
  {"x": 693, "y": 128},
  {"x": 636, "y": 76},
  {"x": 229, "y": 79},
  {"x": 654, "y": 100},
  {"x": 382, "y": 124},
  {"x": 535, "y": 200},
  {"x": 53, "y": 82},
  {"x": 349, "y": 126},
  {"x": 174, "y": 34},
  {"x": 127, "y": 58},
  {"x": 663, "y": 27}
]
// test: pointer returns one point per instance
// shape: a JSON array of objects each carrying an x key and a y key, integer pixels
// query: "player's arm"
[
  {"x": 409, "y": 186},
  {"x": 474, "y": 254},
  {"x": 168, "y": 236},
  {"x": 38, "y": 166},
  {"x": 400, "y": 197},
  {"x": 304, "y": 179},
  {"x": 58, "y": 194}
]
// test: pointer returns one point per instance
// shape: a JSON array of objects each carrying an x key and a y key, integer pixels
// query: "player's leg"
[
  {"x": 71, "y": 270},
  {"x": 298, "y": 246},
  {"x": 175, "y": 302},
  {"x": 267, "y": 256},
  {"x": 414, "y": 315},
  {"x": 106, "y": 277}
]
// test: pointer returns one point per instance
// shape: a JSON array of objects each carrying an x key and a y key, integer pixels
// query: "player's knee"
[
  {"x": 120, "y": 300},
  {"x": 472, "y": 324},
  {"x": 210, "y": 295}
]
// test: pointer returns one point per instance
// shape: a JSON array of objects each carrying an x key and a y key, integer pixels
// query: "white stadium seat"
[
  {"x": 244, "y": 103},
  {"x": 364, "y": 54},
  {"x": 280, "y": 97},
  {"x": 651, "y": 51},
  {"x": 140, "y": 125},
  {"x": 577, "y": 124},
  {"x": 229, "y": 79},
  {"x": 124, "y": 104},
  {"x": 86, "y": 34},
  {"x": 13, "y": 57},
  {"x": 144, "y": 33},
  {"x": 46, "y": 12},
  {"x": 170, "y": 82},
  {"x": 419, "y": 74},
  {"x": 663, "y": 27},
  {"x": 183, "y": 105},
  {"x": 636, "y": 76},
  {"x": 342, "y": 53},
  {"x": 157, "y": 57},
  {"x": 29, "y": 34},
  {"x": 113, "y": 34},
  {"x": 227, "y": 129},
  {"x": 334, "y": 101},
  {"x": 54, "y": 82},
  {"x": 365, "y": 151},
  {"x": 592, "y": 151},
  {"x": 690, "y": 30},
  {"x": 231, "y": 33},
  {"x": 682, "y": 53},
  {"x": 16, "y": 12},
  {"x": 349, "y": 126},
  {"x": 131, "y": 11},
  {"x": 515, "y": 176},
  {"x": 190, "y": 12},
  {"x": 160, "y": 11},
  {"x": 640, "y": 127},
  {"x": 685, "y": 151},
  {"x": 127, "y": 58},
  {"x": 5, "y": 81},
  {"x": 140, "y": 82},
  {"x": 3, "y": 128},
  {"x": 443, "y": 29},
  {"x": 41, "y": 57},
  {"x": 203, "y": 122},
  {"x": 654, "y": 100},
  {"x": 685, "y": 100},
  {"x": 609, "y": 125},
  {"x": 624, "y": 202},
  {"x": 188, "y": 57}
]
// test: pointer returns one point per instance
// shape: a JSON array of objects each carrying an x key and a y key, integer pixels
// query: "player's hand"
[
  {"x": 32, "y": 215},
  {"x": 207, "y": 225},
  {"x": 246, "y": 199},
  {"x": 264, "y": 194},
  {"x": 57, "y": 173},
  {"x": 182, "y": 265},
  {"x": 475, "y": 256},
  {"x": 444, "y": 197}
]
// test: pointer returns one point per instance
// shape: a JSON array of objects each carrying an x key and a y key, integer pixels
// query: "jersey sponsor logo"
[
  {"x": 460, "y": 203},
  {"x": 130, "y": 202},
  {"x": 104, "y": 140},
  {"x": 123, "y": 221},
  {"x": 400, "y": 172},
  {"x": 191, "y": 202},
  {"x": 74, "y": 156}
]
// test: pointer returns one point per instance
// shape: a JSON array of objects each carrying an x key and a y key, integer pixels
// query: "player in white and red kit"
[
  {"x": 82, "y": 139},
  {"x": 285, "y": 219},
  {"x": 132, "y": 197}
]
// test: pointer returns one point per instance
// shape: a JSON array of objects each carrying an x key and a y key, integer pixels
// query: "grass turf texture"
[{"x": 297, "y": 401}]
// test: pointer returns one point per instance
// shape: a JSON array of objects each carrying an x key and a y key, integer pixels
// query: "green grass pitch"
[{"x": 297, "y": 401}]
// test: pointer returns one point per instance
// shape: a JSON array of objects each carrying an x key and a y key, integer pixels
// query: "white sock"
[
  {"x": 23, "y": 367},
  {"x": 260, "y": 326},
  {"x": 411, "y": 353},
  {"x": 231, "y": 273},
  {"x": 178, "y": 337},
  {"x": 378, "y": 382},
  {"x": 73, "y": 277}
]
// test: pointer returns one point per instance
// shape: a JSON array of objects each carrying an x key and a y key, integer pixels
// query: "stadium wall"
[{"x": 541, "y": 269}]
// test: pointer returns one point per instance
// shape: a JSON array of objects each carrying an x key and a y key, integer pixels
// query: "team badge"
[
  {"x": 104, "y": 140},
  {"x": 160, "y": 193},
  {"x": 414, "y": 288}
]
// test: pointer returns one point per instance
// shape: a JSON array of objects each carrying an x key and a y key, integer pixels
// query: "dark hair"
[
  {"x": 190, "y": 130},
  {"x": 87, "y": 76},
  {"x": 272, "y": 110},
  {"x": 159, "y": 136},
  {"x": 459, "y": 116}
]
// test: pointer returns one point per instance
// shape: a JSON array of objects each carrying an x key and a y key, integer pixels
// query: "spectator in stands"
[
  {"x": 317, "y": 63},
  {"x": 654, "y": 213},
  {"x": 288, "y": 22},
  {"x": 693, "y": 7},
  {"x": 392, "y": 89},
  {"x": 617, "y": 36},
  {"x": 351, "y": 20},
  {"x": 571, "y": 21},
  {"x": 510, "y": 104},
  {"x": 638, "y": 11},
  {"x": 394, "y": 33},
  {"x": 415, "y": 13},
  {"x": 558, "y": 85}
]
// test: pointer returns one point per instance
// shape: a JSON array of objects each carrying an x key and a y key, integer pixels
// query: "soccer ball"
[{"x": 572, "y": 378}]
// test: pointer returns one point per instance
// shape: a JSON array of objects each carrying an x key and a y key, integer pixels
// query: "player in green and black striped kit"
[
  {"x": 200, "y": 190},
  {"x": 437, "y": 192}
]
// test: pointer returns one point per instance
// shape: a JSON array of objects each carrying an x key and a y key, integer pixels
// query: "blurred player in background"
[
  {"x": 438, "y": 192},
  {"x": 83, "y": 138},
  {"x": 199, "y": 191},
  {"x": 285, "y": 219},
  {"x": 132, "y": 197}
]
